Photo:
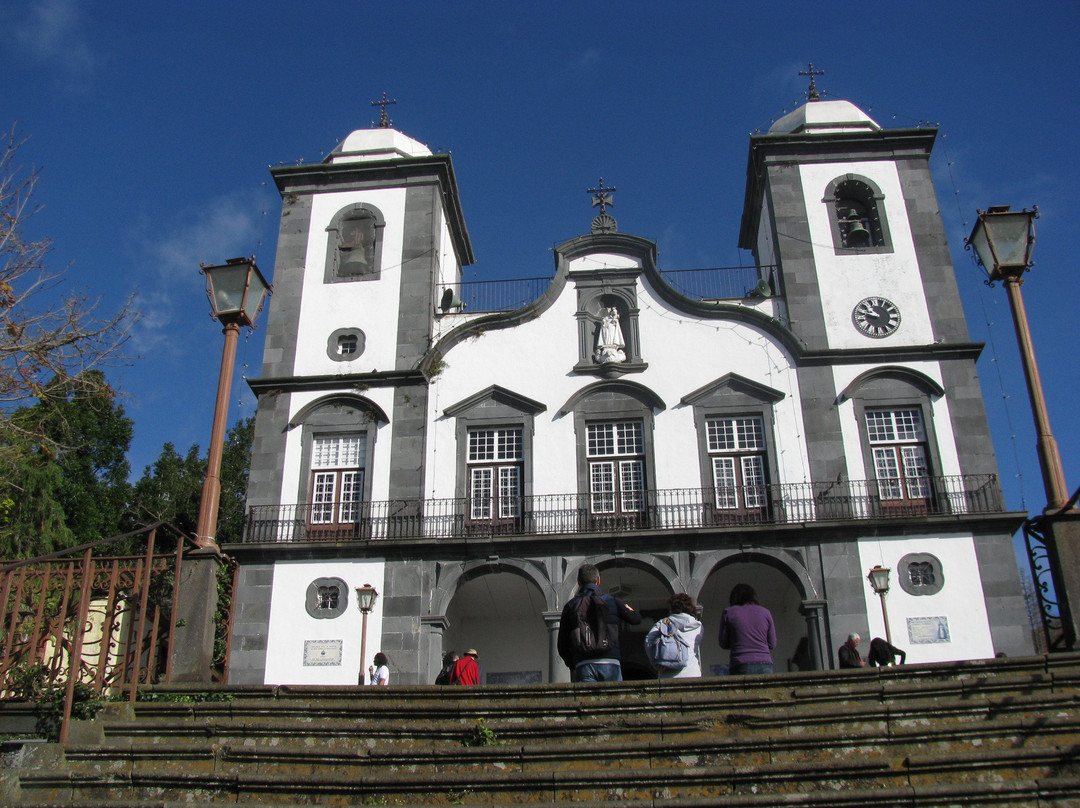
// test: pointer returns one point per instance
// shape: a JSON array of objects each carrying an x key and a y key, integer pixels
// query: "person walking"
[
  {"x": 592, "y": 665},
  {"x": 684, "y": 630},
  {"x": 747, "y": 630}
]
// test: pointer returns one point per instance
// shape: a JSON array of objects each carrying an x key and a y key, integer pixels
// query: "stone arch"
[
  {"x": 498, "y": 608},
  {"x": 893, "y": 380},
  {"x": 341, "y": 402},
  {"x": 784, "y": 586},
  {"x": 453, "y": 576}
]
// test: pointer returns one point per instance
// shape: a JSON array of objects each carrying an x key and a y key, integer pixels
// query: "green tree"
[
  {"x": 171, "y": 488},
  {"x": 69, "y": 484},
  {"x": 54, "y": 469}
]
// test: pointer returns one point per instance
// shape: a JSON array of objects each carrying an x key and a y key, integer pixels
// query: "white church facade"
[{"x": 463, "y": 448}]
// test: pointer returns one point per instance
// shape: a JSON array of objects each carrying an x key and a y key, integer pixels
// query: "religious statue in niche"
[{"x": 609, "y": 340}]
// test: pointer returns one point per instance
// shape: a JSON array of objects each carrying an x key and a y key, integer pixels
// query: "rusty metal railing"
[{"x": 85, "y": 619}]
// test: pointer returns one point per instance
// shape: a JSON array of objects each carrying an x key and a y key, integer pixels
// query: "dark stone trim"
[
  {"x": 387, "y": 378},
  {"x": 906, "y": 375},
  {"x": 736, "y": 383},
  {"x": 904, "y": 579},
  {"x": 639, "y": 392},
  {"x": 344, "y": 400},
  {"x": 333, "y": 249},
  {"x": 499, "y": 394}
]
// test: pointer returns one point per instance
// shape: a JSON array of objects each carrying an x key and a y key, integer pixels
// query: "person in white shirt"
[{"x": 379, "y": 673}]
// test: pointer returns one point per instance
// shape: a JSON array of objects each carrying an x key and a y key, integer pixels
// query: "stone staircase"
[{"x": 995, "y": 732}]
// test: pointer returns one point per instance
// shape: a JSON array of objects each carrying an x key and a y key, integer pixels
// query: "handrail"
[{"x": 662, "y": 509}]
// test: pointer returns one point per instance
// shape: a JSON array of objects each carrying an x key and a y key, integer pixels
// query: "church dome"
[
  {"x": 382, "y": 143},
  {"x": 824, "y": 117}
]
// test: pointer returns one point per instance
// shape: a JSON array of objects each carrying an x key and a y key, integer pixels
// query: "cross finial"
[
  {"x": 602, "y": 196},
  {"x": 382, "y": 103},
  {"x": 812, "y": 93}
]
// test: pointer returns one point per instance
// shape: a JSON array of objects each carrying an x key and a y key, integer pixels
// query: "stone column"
[
  {"x": 435, "y": 626},
  {"x": 193, "y": 618},
  {"x": 557, "y": 670},
  {"x": 813, "y": 610}
]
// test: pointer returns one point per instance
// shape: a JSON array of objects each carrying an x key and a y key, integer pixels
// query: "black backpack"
[{"x": 593, "y": 634}]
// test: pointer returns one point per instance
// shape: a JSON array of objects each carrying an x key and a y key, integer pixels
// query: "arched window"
[
  {"x": 856, "y": 211},
  {"x": 354, "y": 244}
]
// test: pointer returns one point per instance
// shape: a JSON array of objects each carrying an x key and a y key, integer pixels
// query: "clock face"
[{"x": 876, "y": 317}]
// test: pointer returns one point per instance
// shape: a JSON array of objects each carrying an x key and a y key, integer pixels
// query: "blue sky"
[{"x": 154, "y": 125}]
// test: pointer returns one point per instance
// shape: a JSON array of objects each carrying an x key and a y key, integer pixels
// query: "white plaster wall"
[
  {"x": 960, "y": 599},
  {"x": 291, "y": 625},
  {"x": 369, "y": 305},
  {"x": 939, "y": 412},
  {"x": 684, "y": 353},
  {"x": 844, "y": 280}
]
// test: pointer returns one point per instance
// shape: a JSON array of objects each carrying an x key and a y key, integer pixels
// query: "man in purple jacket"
[{"x": 748, "y": 631}]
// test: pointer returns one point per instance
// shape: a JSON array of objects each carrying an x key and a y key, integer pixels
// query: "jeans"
[
  {"x": 751, "y": 668},
  {"x": 598, "y": 672}
]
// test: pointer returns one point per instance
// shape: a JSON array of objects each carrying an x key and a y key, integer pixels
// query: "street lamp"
[
  {"x": 236, "y": 290},
  {"x": 1003, "y": 241},
  {"x": 879, "y": 582},
  {"x": 366, "y": 596}
]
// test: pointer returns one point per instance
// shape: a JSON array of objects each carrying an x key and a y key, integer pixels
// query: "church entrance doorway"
[
  {"x": 500, "y": 614},
  {"x": 776, "y": 591}
]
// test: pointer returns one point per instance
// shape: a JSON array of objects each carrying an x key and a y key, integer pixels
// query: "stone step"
[
  {"x": 1049, "y": 792},
  {"x": 629, "y": 783},
  {"x": 667, "y": 721},
  {"x": 274, "y": 756}
]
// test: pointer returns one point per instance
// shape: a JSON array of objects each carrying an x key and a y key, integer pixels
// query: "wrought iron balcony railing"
[
  {"x": 714, "y": 283},
  {"x": 653, "y": 510}
]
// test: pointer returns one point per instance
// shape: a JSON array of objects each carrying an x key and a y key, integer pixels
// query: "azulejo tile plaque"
[
  {"x": 928, "y": 630},
  {"x": 322, "y": 653}
]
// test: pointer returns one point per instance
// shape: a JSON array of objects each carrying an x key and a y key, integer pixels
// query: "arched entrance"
[
  {"x": 775, "y": 590},
  {"x": 500, "y": 614}
]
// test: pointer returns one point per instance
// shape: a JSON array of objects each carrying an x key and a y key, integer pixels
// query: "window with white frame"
[
  {"x": 736, "y": 448},
  {"x": 494, "y": 462},
  {"x": 616, "y": 456},
  {"x": 898, "y": 446},
  {"x": 337, "y": 478}
]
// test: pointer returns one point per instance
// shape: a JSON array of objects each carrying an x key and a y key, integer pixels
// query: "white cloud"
[
  {"x": 220, "y": 229},
  {"x": 52, "y": 32}
]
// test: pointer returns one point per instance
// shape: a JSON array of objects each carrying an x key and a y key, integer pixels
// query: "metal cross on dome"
[
  {"x": 382, "y": 103},
  {"x": 812, "y": 93},
  {"x": 602, "y": 196}
]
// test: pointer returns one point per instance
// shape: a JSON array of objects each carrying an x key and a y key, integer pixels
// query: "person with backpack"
[
  {"x": 673, "y": 643},
  {"x": 467, "y": 669},
  {"x": 589, "y": 630},
  {"x": 449, "y": 659}
]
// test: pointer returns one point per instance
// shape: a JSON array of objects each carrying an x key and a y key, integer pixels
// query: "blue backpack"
[{"x": 667, "y": 649}]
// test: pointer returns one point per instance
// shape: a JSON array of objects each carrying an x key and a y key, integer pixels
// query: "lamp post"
[
  {"x": 236, "y": 290},
  {"x": 1003, "y": 240},
  {"x": 366, "y": 596},
  {"x": 879, "y": 582}
]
